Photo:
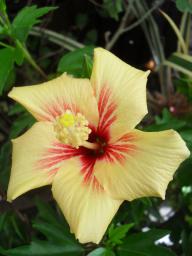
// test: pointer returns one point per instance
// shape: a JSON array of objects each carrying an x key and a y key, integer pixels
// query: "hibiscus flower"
[{"x": 85, "y": 145}]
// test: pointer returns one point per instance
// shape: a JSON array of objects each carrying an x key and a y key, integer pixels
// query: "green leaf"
[
  {"x": 143, "y": 244},
  {"x": 26, "y": 19},
  {"x": 101, "y": 252},
  {"x": 184, "y": 5},
  {"x": 44, "y": 248},
  {"x": 113, "y": 7},
  {"x": 19, "y": 56},
  {"x": 73, "y": 62},
  {"x": 117, "y": 234},
  {"x": 87, "y": 66},
  {"x": 6, "y": 66}
]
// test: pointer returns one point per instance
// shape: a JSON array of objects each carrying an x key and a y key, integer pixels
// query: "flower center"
[{"x": 73, "y": 130}]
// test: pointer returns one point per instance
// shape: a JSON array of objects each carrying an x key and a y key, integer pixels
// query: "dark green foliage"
[
  {"x": 26, "y": 19},
  {"x": 144, "y": 244},
  {"x": 2, "y": 6},
  {"x": 101, "y": 252},
  {"x": 18, "y": 32},
  {"x": 6, "y": 65},
  {"x": 113, "y": 8},
  {"x": 166, "y": 121},
  {"x": 58, "y": 240},
  {"x": 115, "y": 235},
  {"x": 184, "y": 5},
  {"x": 23, "y": 120}
]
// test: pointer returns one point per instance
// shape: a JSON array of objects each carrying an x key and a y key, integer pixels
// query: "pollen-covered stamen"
[{"x": 73, "y": 130}]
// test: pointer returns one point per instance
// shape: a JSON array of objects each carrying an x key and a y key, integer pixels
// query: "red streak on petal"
[
  {"x": 57, "y": 108},
  {"x": 54, "y": 156},
  {"x": 53, "y": 172},
  {"x": 129, "y": 137},
  {"x": 88, "y": 162},
  {"x": 107, "y": 109}
]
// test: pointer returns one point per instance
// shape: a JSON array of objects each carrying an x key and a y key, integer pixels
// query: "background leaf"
[
  {"x": 42, "y": 248},
  {"x": 116, "y": 234},
  {"x": 184, "y": 5},
  {"x": 73, "y": 62},
  {"x": 26, "y": 19}
]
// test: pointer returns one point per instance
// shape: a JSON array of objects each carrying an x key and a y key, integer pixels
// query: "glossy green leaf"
[
  {"x": 42, "y": 248},
  {"x": 143, "y": 244},
  {"x": 73, "y": 62},
  {"x": 26, "y": 19}
]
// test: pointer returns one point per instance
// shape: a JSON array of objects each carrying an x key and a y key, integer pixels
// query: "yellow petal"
[
  {"x": 87, "y": 208},
  {"x": 29, "y": 164},
  {"x": 120, "y": 91},
  {"x": 141, "y": 164},
  {"x": 48, "y": 100}
]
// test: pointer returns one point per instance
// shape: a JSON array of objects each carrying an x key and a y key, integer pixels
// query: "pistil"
[{"x": 90, "y": 145}]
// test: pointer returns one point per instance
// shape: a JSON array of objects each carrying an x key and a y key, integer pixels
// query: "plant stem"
[
  {"x": 146, "y": 15},
  {"x": 120, "y": 29},
  {"x": 57, "y": 38},
  {"x": 6, "y": 45},
  {"x": 30, "y": 59},
  {"x": 53, "y": 40}
]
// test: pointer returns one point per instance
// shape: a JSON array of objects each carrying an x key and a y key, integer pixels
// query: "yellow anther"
[
  {"x": 67, "y": 120},
  {"x": 72, "y": 129}
]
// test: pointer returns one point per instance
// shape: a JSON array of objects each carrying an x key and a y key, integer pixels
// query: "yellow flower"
[{"x": 85, "y": 145}]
